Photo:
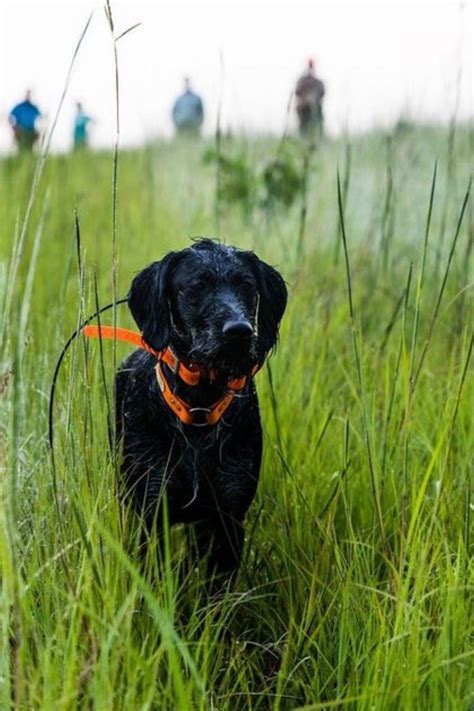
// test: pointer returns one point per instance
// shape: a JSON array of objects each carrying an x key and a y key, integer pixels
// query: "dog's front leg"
[
  {"x": 148, "y": 497},
  {"x": 221, "y": 539}
]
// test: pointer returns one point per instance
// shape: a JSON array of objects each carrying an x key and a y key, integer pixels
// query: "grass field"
[{"x": 357, "y": 589}]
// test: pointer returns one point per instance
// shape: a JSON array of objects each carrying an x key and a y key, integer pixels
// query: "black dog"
[{"x": 188, "y": 421}]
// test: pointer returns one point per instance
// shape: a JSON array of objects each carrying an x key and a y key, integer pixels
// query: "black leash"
[{"x": 58, "y": 367}]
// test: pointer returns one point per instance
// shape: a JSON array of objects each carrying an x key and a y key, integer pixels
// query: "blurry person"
[
  {"x": 22, "y": 119},
  {"x": 309, "y": 94},
  {"x": 188, "y": 112},
  {"x": 81, "y": 132}
]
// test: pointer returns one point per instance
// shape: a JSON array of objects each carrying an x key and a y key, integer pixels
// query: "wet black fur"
[{"x": 209, "y": 474}]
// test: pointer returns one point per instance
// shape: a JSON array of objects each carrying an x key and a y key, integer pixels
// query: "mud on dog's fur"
[{"x": 218, "y": 307}]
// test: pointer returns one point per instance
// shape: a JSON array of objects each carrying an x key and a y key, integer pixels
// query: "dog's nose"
[{"x": 237, "y": 329}]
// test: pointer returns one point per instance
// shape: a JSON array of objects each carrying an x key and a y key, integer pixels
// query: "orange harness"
[{"x": 189, "y": 374}]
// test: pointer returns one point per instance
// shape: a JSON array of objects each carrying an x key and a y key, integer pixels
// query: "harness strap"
[
  {"x": 198, "y": 416},
  {"x": 119, "y": 334},
  {"x": 191, "y": 375}
]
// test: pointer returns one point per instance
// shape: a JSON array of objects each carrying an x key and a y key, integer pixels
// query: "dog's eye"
[
  {"x": 196, "y": 285},
  {"x": 247, "y": 283},
  {"x": 193, "y": 288},
  {"x": 241, "y": 281}
]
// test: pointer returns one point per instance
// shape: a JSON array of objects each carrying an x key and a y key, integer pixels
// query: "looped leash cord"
[{"x": 57, "y": 368}]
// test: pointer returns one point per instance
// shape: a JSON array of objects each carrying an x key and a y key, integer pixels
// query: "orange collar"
[
  {"x": 189, "y": 374},
  {"x": 198, "y": 416}
]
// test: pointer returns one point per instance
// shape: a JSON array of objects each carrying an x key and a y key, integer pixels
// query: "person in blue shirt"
[
  {"x": 188, "y": 112},
  {"x": 22, "y": 119},
  {"x": 81, "y": 123}
]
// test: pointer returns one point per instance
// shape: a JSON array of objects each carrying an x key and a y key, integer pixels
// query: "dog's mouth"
[{"x": 233, "y": 357}]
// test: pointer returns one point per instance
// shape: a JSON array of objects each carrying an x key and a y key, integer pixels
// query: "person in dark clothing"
[
  {"x": 188, "y": 112},
  {"x": 22, "y": 119},
  {"x": 309, "y": 94}
]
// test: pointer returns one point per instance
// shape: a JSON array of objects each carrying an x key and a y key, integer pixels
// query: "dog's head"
[{"x": 215, "y": 305}]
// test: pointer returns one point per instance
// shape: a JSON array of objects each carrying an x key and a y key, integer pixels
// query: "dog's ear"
[
  {"x": 272, "y": 303},
  {"x": 148, "y": 301}
]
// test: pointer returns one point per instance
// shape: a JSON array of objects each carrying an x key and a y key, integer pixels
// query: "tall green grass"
[{"x": 356, "y": 587}]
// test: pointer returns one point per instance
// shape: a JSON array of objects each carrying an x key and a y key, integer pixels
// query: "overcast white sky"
[{"x": 379, "y": 60}]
